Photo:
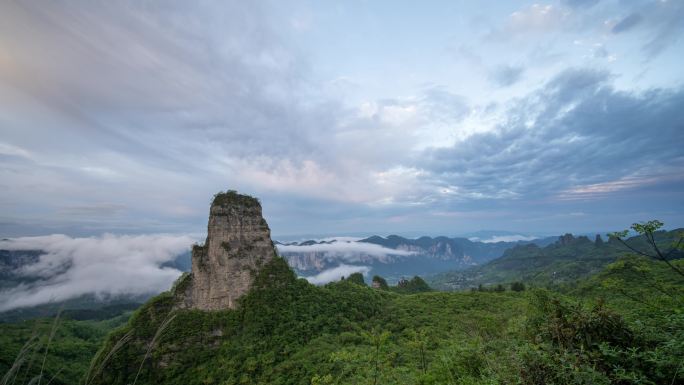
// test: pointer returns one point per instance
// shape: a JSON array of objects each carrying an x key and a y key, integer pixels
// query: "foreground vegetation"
[
  {"x": 56, "y": 350},
  {"x": 290, "y": 332},
  {"x": 621, "y": 325}
]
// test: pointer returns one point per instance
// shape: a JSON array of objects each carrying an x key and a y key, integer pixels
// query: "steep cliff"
[{"x": 238, "y": 244}]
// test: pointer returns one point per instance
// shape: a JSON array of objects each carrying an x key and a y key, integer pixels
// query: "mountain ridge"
[
  {"x": 394, "y": 256},
  {"x": 566, "y": 260}
]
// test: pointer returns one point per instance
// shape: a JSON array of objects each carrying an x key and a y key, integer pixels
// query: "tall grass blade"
[
  {"x": 90, "y": 376},
  {"x": 32, "y": 360},
  {"x": 47, "y": 347},
  {"x": 56, "y": 374},
  {"x": 19, "y": 360},
  {"x": 34, "y": 350},
  {"x": 159, "y": 332}
]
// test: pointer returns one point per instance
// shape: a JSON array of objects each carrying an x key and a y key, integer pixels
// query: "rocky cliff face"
[{"x": 238, "y": 244}]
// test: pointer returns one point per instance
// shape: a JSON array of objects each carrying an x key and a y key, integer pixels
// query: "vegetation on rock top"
[{"x": 233, "y": 198}]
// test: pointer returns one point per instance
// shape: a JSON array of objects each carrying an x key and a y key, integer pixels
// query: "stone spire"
[
  {"x": 599, "y": 240},
  {"x": 238, "y": 244}
]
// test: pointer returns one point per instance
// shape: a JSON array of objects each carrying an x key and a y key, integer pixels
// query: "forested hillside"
[
  {"x": 561, "y": 263},
  {"x": 290, "y": 332}
]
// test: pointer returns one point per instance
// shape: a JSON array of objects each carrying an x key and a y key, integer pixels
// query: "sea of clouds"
[
  {"x": 504, "y": 238},
  {"x": 346, "y": 250},
  {"x": 336, "y": 273},
  {"x": 107, "y": 265},
  {"x": 131, "y": 265}
]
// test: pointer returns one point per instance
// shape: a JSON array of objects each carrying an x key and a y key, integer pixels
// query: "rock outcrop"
[
  {"x": 238, "y": 244},
  {"x": 599, "y": 241},
  {"x": 566, "y": 239}
]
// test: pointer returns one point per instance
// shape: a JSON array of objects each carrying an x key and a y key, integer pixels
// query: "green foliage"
[
  {"x": 182, "y": 283},
  {"x": 660, "y": 288},
  {"x": 233, "y": 198},
  {"x": 287, "y": 331},
  {"x": 380, "y": 283},
  {"x": 560, "y": 265},
  {"x": 572, "y": 343},
  {"x": 518, "y": 286},
  {"x": 414, "y": 285},
  {"x": 640, "y": 228},
  {"x": 71, "y": 348},
  {"x": 356, "y": 278},
  {"x": 648, "y": 231}
]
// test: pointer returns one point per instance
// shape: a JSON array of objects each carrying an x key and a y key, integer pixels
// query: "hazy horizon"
[{"x": 409, "y": 234}]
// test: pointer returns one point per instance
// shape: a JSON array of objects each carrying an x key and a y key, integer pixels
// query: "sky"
[{"x": 349, "y": 117}]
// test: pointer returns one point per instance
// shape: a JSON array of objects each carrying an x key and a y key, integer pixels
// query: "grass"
[
  {"x": 153, "y": 343},
  {"x": 47, "y": 346},
  {"x": 51, "y": 351},
  {"x": 90, "y": 375},
  {"x": 19, "y": 360},
  {"x": 32, "y": 346}
]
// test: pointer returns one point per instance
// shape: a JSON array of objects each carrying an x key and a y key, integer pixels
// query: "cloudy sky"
[{"x": 344, "y": 117}]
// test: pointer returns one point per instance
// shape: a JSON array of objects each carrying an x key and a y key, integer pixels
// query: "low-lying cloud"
[
  {"x": 336, "y": 273},
  {"x": 105, "y": 265},
  {"x": 505, "y": 238},
  {"x": 346, "y": 250}
]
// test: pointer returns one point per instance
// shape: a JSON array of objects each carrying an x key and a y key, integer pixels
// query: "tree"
[
  {"x": 379, "y": 283},
  {"x": 414, "y": 285},
  {"x": 418, "y": 342},
  {"x": 357, "y": 278},
  {"x": 648, "y": 230},
  {"x": 377, "y": 340},
  {"x": 517, "y": 286}
]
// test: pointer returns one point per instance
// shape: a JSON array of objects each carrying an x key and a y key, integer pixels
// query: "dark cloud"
[
  {"x": 627, "y": 23},
  {"x": 661, "y": 20},
  {"x": 506, "y": 75},
  {"x": 576, "y": 131},
  {"x": 666, "y": 25},
  {"x": 580, "y": 3},
  {"x": 541, "y": 26}
]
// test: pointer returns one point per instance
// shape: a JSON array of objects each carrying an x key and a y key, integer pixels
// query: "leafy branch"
[{"x": 648, "y": 230}]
